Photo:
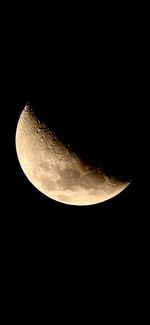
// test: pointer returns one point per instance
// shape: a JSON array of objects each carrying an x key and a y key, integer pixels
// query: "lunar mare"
[{"x": 55, "y": 170}]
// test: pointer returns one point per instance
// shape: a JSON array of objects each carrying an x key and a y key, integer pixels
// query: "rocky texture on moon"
[{"x": 57, "y": 171}]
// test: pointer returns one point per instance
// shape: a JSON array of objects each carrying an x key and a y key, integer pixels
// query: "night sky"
[
  {"x": 91, "y": 112},
  {"x": 86, "y": 89}
]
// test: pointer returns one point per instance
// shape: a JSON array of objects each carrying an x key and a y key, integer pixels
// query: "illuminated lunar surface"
[{"x": 55, "y": 170}]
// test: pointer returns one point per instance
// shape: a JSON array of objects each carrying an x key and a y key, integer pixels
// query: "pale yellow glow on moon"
[{"x": 56, "y": 171}]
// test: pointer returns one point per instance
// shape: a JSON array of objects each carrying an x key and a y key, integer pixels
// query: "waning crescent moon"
[{"x": 56, "y": 171}]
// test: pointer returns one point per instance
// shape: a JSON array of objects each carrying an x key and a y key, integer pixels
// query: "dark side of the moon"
[
  {"x": 87, "y": 102},
  {"x": 94, "y": 123}
]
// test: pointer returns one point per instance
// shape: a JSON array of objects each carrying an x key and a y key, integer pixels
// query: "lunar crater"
[{"x": 56, "y": 170}]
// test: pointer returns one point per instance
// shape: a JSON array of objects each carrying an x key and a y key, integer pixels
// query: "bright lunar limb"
[{"x": 55, "y": 170}]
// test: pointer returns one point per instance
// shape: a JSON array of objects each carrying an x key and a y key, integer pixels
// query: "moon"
[{"x": 55, "y": 170}]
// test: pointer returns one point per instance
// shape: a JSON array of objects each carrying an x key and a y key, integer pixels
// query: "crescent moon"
[{"x": 55, "y": 170}]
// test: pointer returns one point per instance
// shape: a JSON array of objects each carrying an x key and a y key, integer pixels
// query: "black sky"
[
  {"x": 86, "y": 86},
  {"x": 83, "y": 76}
]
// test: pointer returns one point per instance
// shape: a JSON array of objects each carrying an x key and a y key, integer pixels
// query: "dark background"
[
  {"x": 85, "y": 80},
  {"x": 87, "y": 90}
]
